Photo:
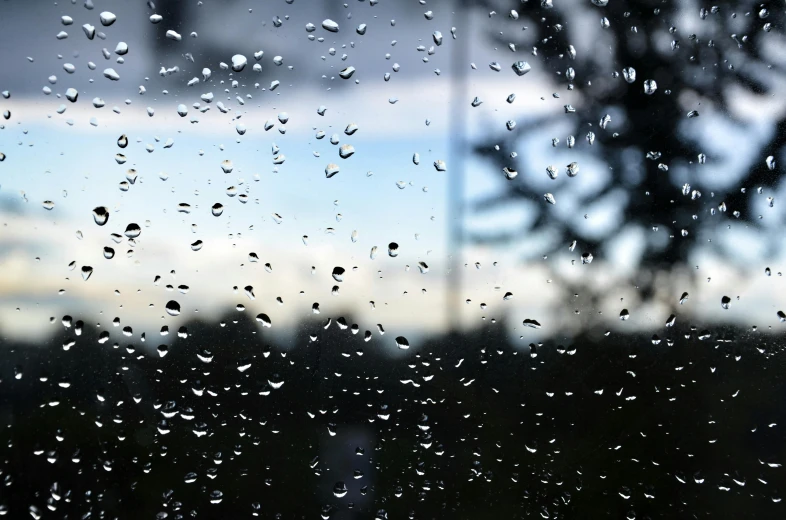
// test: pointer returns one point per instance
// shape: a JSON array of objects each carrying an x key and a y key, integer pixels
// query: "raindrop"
[
  {"x": 107, "y": 18},
  {"x": 264, "y": 320},
  {"x": 393, "y": 249},
  {"x": 650, "y": 86},
  {"x": 624, "y": 314},
  {"x": 86, "y": 272},
  {"x": 340, "y": 489},
  {"x": 330, "y": 25},
  {"x": 521, "y": 68},
  {"x": 402, "y": 343},
  {"x": 347, "y": 72},
  {"x": 172, "y": 308},
  {"x": 238, "y": 62},
  {"x": 100, "y": 215},
  {"x": 133, "y": 230},
  {"x": 725, "y": 302},
  {"x": 338, "y": 274}
]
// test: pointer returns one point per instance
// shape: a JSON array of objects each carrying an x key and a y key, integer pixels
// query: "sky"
[{"x": 69, "y": 158}]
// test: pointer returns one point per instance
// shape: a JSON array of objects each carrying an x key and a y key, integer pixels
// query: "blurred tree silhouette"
[{"x": 724, "y": 54}]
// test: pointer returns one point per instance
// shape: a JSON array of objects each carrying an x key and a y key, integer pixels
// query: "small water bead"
[
  {"x": 340, "y": 489},
  {"x": 402, "y": 343},
  {"x": 624, "y": 315},
  {"x": 521, "y": 68},
  {"x": 100, "y": 215},
  {"x": 338, "y": 274},
  {"x": 725, "y": 302},
  {"x": 86, "y": 271},
  {"x": 650, "y": 86},
  {"x": 239, "y": 62},
  {"x": 133, "y": 230},
  {"x": 107, "y": 18},
  {"x": 533, "y": 324},
  {"x": 330, "y": 25},
  {"x": 393, "y": 249},
  {"x": 172, "y": 308}
]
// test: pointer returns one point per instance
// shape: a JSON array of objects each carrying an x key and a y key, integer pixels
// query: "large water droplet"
[
  {"x": 100, "y": 215},
  {"x": 172, "y": 308},
  {"x": 346, "y": 151},
  {"x": 107, "y": 18},
  {"x": 340, "y": 489},
  {"x": 521, "y": 68},
  {"x": 331, "y": 170},
  {"x": 239, "y": 62},
  {"x": 133, "y": 230},
  {"x": 330, "y": 25},
  {"x": 402, "y": 343},
  {"x": 86, "y": 272}
]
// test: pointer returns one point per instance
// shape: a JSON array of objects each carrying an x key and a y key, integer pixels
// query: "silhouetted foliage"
[{"x": 710, "y": 61}]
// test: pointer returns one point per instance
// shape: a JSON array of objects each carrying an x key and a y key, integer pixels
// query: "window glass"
[{"x": 392, "y": 259}]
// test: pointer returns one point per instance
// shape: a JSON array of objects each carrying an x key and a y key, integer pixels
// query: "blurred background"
[{"x": 377, "y": 259}]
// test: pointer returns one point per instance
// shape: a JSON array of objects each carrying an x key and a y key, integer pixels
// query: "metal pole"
[{"x": 455, "y": 173}]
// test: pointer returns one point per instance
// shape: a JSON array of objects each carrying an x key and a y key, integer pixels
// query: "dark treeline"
[{"x": 604, "y": 426}]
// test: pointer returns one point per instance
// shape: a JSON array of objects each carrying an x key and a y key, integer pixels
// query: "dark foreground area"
[{"x": 229, "y": 425}]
